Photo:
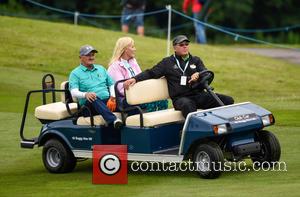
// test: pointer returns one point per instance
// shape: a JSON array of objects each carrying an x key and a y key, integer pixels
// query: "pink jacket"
[{"x": 118, "y": 71}]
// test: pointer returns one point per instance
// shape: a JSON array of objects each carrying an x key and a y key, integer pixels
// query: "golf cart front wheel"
[
  {"x": 208, "y": 160},
  {"x": 270, "y": 149},
  {"x": 57, "y": 158}
]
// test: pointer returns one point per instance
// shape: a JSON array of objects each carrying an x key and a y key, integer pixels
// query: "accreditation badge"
[{"x": 183, "y": 80}]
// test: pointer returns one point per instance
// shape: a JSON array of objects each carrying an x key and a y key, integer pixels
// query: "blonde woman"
[{"x": 123, "y": 65}]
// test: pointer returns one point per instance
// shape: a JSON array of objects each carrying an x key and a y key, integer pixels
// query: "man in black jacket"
[{"x": 181, "y": 70}]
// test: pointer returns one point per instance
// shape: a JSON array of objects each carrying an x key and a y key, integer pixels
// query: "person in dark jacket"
[
  {"x": 181, "y": 70},
  {"x": 133, "y": 12}
]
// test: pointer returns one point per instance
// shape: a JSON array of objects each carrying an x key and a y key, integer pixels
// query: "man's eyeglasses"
[{"x": 183, "y": 44}]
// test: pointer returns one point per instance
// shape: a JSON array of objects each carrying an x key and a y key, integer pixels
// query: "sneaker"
[{"x": 118, "y": 124}]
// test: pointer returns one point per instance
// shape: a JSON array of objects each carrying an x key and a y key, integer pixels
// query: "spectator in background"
[
  {"x": 197, "y": 6},
  {"x": 133, "y": 12}
]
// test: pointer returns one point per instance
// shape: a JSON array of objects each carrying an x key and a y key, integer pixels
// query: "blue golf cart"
[{"x": 205, "y": 137}]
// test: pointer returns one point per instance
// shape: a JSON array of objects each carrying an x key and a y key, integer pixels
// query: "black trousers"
[{"x": 202, "y": 100}]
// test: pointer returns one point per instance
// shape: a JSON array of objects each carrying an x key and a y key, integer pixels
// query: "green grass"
[{"x": 32, "y": 48}]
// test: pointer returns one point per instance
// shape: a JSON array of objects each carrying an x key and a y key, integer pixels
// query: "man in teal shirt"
[{"x": 93, "y": 87}]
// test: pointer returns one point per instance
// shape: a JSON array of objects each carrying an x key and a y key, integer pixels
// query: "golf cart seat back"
[
  {"x": 57, "y": 110},
  {"x": 149, "y": 91},
  {"x": 66, "y": 96}
]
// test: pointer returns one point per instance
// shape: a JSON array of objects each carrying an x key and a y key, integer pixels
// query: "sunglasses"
[{"x": 183, "y": 44}]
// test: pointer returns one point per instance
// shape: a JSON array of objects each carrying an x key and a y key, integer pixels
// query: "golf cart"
[{"x": 206, "y": 137}]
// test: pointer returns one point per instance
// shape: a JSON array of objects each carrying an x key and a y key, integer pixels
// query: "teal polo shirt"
[{"x": 95, "y": 80}]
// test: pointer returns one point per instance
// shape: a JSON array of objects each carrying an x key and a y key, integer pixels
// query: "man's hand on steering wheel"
[
  {"x": 205, "y": 77},
  {"x": 194, "y": 77}
]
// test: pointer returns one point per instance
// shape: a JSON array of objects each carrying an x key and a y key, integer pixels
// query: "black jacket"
[{"x": 168, "y": 67}]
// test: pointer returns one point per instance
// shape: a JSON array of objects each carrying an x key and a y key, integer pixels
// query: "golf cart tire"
[
  {"x": 271, "y": 150},
  {"x": 214, "y": 154},
  {"x": 57, "y": 157}
]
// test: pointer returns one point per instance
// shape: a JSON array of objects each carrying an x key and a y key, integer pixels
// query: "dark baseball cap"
[
  {"x": 179, "y": 39},
  {"x": 86, "y": 49}
]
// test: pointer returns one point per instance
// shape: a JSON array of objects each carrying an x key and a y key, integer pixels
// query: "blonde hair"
[{"x": 120, "y": 47}]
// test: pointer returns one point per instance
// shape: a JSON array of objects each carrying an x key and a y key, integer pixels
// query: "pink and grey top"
[{"x": 123, "y": 69}]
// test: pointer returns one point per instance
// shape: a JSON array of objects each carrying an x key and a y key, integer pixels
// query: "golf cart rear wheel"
[
  {"x": 270, "y": 149},
  {"x": 208, "y": 160},
  {"x": 57, "y": 158}
]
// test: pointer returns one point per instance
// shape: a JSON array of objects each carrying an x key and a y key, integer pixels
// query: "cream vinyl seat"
[{"x": 57, "y": 110}]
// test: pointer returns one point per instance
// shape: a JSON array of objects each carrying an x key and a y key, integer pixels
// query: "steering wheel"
[{"x": 205, "y": 78}]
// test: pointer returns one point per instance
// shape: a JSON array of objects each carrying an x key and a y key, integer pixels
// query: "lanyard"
[
  {"x": 131, "y": 71},
  {"x": 129, "y": 68},
  {"x": 178, "y": 64}
]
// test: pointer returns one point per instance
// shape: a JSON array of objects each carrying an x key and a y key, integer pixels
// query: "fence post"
[
  {"x": 76, "y": 14},
  {"x": 169, "y": 8}
]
